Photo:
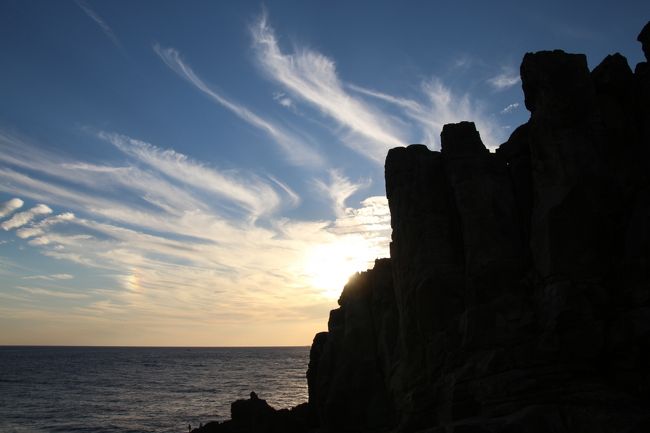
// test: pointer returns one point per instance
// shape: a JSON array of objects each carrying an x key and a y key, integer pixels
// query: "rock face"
[
  {"x": 347, "y": 387},
  {"x": 517, "y": 295},
  {"x": 257, "y": 416}
]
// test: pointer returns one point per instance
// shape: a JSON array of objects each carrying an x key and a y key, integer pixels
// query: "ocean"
[{"x": 135, "y": 390}]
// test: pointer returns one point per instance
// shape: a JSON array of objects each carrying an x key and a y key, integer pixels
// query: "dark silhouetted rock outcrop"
[
  {"x": 517, "y": 295},
  {"x": 256, "y": 416},
  {"x": 348, "y": 390},
  {"x": 520, "y": 291}
]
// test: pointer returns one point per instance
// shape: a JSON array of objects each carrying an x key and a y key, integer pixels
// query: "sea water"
[{"x": 92, "y": 389}]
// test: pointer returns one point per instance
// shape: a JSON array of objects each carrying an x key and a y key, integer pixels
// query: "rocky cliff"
[{"x": 517, "y": 295}]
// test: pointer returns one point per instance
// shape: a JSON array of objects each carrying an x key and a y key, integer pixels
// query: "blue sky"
[{"x": 209, "y": 173}]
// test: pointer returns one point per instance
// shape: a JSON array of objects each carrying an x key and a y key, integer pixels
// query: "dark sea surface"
[{"x": 88, "y": 389}]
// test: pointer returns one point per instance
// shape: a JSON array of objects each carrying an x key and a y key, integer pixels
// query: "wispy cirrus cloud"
[
  {"x": 22, "y": 218},
  {"x": 293, "y": 197},
  {"x": 177, "y": 242},
  {"x": 150, "y": 191},
  {"x": 39, "y": 228},
  {"x": 438, "y": 106},
  {"x": 312, "y": 77},
  {"x": 372, "y": 215},
  {"x": 294, "y": 148},
  {"x": 504, "y": 80},
  {"x": 10, "y": 206},
  {"x": 339, "y": 189},
  {"x": 253, "y": 194},
  {"x": 283, "y": 99},
  {"x": 510, "y": 108},
  {"x": 54, "y": 293},
  {"x": 186, "y": 259},
  {"x": 108, "y": 31},
  {"x": 370, "y": 129},
  {"x": 52, "y": 277}
]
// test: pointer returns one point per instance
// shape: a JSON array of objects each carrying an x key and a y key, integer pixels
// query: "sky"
[{"x": 210, "y": 173}]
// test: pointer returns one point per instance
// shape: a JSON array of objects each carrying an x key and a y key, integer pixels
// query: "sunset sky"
[{"x": 209, "y": 173}]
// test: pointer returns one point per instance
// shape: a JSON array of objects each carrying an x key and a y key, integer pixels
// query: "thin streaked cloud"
[
  {"x": 369, "y": 128},
  {"x": 253, "y": 194},
  {"x": 373, "y": 215},
  {"x": 510, "y": 108},
  {"x": 294, "y": 198},
  {"x": 338, "y": 189},
  {"x": 145, "y": 183},
  {"x": 506, "y": 79},
  {"x": 55, "y": 293},
  {"x": 22, "y": 218},
  {"x": 283, "y": 99},
  {"x": 294, "y": 148},
  {"x": 181, "y": 254},
  {"x": 179, "y": 237},
  {"x": 313, "y": 78},
  {"x": 438, "y": 105},
  {"x": 52, "y": 277},
  {"x": 106, "y": 29},
  {"x": 10, "y": 206},
  {"x": 38, "y": 229}
]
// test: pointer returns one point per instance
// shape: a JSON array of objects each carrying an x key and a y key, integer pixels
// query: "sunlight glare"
[{"x": 329, "y": 266}]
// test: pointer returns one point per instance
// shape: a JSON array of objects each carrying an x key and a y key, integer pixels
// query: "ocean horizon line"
[{"x": 66, "y": 346}]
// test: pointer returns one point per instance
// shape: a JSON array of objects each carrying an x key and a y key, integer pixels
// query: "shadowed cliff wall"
[{"x": 517, "y": 295}]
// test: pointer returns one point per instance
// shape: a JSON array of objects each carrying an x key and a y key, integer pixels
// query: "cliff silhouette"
[{"x": 517, "y": 293}]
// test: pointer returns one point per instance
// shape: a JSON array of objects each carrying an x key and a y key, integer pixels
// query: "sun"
[{"x": 328, "y": 266}]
